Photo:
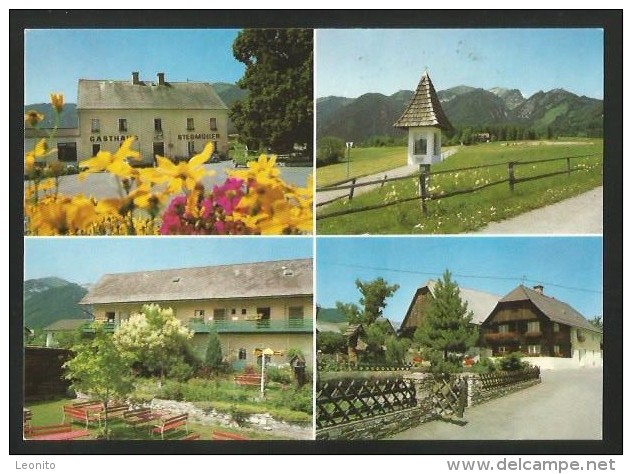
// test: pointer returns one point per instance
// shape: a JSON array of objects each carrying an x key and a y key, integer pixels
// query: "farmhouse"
[
  {"x": 480, "y": 303},
  {"x": 424, "y": 119},
  {"x": 172, "y": 119},
  {"x": 528, "y": 321},
  {"x": 252, "y": 306}
]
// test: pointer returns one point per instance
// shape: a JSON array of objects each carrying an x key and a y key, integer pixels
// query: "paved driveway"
[
  {"x": 101, "y": 185},
  {"x": 566, "y": 405}
]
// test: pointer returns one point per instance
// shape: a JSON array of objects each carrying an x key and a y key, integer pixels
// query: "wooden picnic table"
[{"x": 143, "y": 418}]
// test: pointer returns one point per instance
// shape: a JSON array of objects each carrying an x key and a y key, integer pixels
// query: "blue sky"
[
  {"x": 56, "y": 59},
  {"x": 570, "y": 268},
  {"x": 352, "y": 62},
  {"x": 85, "y": 260}
]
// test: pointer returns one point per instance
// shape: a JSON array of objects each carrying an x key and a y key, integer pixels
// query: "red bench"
[
  {"x": 84, "y": 413},
  {"x": 225, "y": 436},
  {"x": 56, "y": 432},
  {"x": 191, "y": 436},
  {"x": 248, "y": 379},
  {"x": 171, "y": 423},
  {"x": 27, "y": 417}
]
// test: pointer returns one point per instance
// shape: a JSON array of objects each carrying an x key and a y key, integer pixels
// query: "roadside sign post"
[{"x": 349, "y": 146}]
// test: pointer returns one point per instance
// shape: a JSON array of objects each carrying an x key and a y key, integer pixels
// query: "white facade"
[
  {"x": 424, "y": 145},
  {"x": 177, "y": 134}
]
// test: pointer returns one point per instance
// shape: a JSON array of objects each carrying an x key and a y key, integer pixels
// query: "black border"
[{"x": 612, "y": 23}]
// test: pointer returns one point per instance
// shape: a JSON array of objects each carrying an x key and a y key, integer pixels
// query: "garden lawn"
[
  {"x": 468, "y": 212},
  {"x": 363, "y": 161}
]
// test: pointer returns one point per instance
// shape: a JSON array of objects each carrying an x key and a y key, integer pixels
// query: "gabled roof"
[
  {"x": 557, "y": 311},
  {"x": 480, "y": 303},
  {"x": 66, "y": 324},
  {"x": 100, "y": 94},
  {"x": 424, "y": 108},
  {"x": 246, "y": 280}
]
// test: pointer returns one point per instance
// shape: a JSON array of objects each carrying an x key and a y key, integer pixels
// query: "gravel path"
[{"x": 581, "y": 214}]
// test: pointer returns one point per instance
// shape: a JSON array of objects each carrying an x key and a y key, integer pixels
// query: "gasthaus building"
[{"x": 172, "y": 119}]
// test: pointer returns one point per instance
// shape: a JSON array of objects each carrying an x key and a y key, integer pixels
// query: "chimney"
[
  {"x": 135, "y": 78},
  {"x": 539, "y": 289},
  {"x": 161, "y": 78}
]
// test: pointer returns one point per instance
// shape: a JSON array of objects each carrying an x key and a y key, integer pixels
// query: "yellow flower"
[
  {"x": 61, "y": 215},
  {"x": 33, "y": 117},
  {"x": 58, "y": 102},
  {"x": 114, "y": 163},
  {"x": 41, "y": 150},
  {"x": 186, "y": 174},
  {"x": 264, "y": 170}
]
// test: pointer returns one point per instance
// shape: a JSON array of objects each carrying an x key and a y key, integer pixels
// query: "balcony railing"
[
  {"x": 297, "y": 325},
  {"x": 501, "y": 336},
  {"x": 266, "y": 325}
]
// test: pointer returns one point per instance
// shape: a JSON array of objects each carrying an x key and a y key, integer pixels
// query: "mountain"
[
  {"x": 511, "y": 97},
  {"x": 449, "y": 94},
  {"x": 477, "y": 107},
  {"x": 229, "y": 93},
  {"x": 69, "y": 117},
  {"x": 561, "y": 110},
  {"x": 368, "y": 115},
  {"x": 372, "y": 114},
  {"x": 47, "y": 300}
]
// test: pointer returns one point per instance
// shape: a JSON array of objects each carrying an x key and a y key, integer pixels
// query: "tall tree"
[
  {"x": 213, "y": 357},
  {"x": 278, "y": 111},
  {"x": 100, "y": 369},
  {"x": 597, "y": 322},
  {"x": 446, "y": 331},
  {"x": 373, "y": 301}
]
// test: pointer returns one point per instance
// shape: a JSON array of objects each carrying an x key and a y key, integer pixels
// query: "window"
[
  {"x": 213, "y": 123},
  {"x": 219, "y": 314},
  {"x": 96, "y": 148},
  {"x": 533, "y": 326},
  {"x": 190, "y": 124},
  {"x": 295, "y": 316},
  {"x": 191, "y": 148},
  {"x": 95, "y": 125},
  {"x": 437, "y": 144},
  {"x": 242, "y": 354},
  {"x": 503, "y": 328},
  {"x": 244, "y": 311},
  {"x": 233, "y": 311},
  {"x": 421, "y": 146},
  {"x": 67, "y": 152},
  {"x": 122, "y": 125},
  {"x": 533, "y": 349},
  {"x": 157, "y": 125},
  {"x": 110, "y": 317},
  {"x": 198, "y": 313},
  {"x": 556, "y": 327},
  {"x": 263, "y": 317}
]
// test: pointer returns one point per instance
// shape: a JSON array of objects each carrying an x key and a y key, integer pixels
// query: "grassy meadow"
[{"x": 468, "y": 212}]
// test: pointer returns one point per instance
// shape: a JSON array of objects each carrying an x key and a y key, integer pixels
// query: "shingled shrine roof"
[{"x": 424, "y": 108}]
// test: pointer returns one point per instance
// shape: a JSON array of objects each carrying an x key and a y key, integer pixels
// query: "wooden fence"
[
  {"x": 345, "y": 400},
  {"x": 502, "y": 379},
  {"x": 424, "y": 176}
]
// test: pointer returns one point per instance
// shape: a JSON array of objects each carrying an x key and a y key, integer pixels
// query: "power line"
[{"x": 522, "y": 279}]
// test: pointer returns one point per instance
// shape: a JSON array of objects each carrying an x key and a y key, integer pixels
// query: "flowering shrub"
[{"x": 169, "y": 199}]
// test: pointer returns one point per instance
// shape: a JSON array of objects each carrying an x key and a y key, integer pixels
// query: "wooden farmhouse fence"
[
  {"x": 345, "y": 400},
  {"x": 502, "y": 379},
  {"x": 423, "y": 178}
]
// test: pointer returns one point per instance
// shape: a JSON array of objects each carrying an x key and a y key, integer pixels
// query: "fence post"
[
  {"x": 512, "y": 176},
  {"x": 352, "y": 189},
  {"x": 568, "y": 165},
  {"x": 383, "y": 181},
  {"x": 423, "y": 186}
]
